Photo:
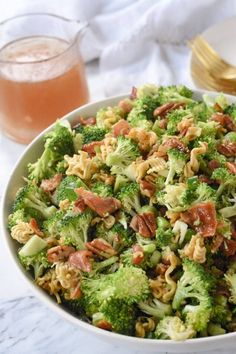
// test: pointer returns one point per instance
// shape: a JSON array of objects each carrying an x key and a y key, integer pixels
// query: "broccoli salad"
[{"x": 128, "y": 218}]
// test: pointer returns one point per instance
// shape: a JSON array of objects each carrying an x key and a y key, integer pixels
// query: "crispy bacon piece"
[
  {"x": 81, "y": 260},
  {"x": 100, "y": 247},
  {"x": 227, "y": 148},
  {"x": 34, "y": 226},
  {"x": 133, "y": 94},
  {"x": 79, "y": 206},
  {"x": 147, "y": 188},
  {"x": 91, "y": 147},
  {"x": 145, "y": 224},
  {"x": 172, "y": 143},
  {"x": 138, "y": 254},
  {"x": 87, "y": 121},
  {"x": 122, "y": 127},
  {"x": 213, "y": 164},
  {"x": 59, "y": 253},
  {"x": 163, "y": 110},
  {"x": 49, "y": 185},
  {"x": 202, "y": 218},
  {"x": 225, "y": 121},
  {"x": 102, "y": 206},
  {"x": 103, "y": 324},
  {"x": 231, "y": 167}
]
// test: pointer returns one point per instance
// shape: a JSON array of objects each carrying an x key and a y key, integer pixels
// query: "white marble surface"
[{"x": 26, "y": 325}]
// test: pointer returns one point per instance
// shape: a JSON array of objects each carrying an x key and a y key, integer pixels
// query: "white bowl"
[{"x": 32, "y": 152}]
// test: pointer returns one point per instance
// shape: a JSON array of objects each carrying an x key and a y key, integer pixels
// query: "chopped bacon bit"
[
  {"x": 172, "y": 143},
  {"x": 122, "y": 127},
  {"x": 79, "y": 206},
  {"x": 138, "y": 254},
  {"x": 102, "y": 206},
  {"x": 225, "y": 121},
  {"x": 103, "y": 324},
  {"x": 59, "y": 253},
  {"x": 81, "y": 260},
  {"x": 34, "y": 226},
  {"x": 125, "y": 105},
  {"x": 229, "y": 247},
  {"x": 91, "y": 147},
  {"x": 205, "y": 179},
  {"x": 87, "y": 121},
  {"x": 216, "y": 243},
  {"x": 101, "y": 247},
  {"x": 147, "y": 189},
  {"x": 227, "y": 148},
  {"x": 202, "y": 217},
  {"x": 145, "y": 224},
  {"x": 231, "y": 167},
  {"x": 163, "y": 110},
  {"x": 133, "y": 94},
  {"x": 49, "y": 185},
  {"x": 213, "y": 164}
]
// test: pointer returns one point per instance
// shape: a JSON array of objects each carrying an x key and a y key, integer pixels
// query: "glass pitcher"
[{"x": 42, "y": 74}]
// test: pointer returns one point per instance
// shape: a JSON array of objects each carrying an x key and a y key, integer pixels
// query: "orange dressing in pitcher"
[{"x": 32, "y": 96}]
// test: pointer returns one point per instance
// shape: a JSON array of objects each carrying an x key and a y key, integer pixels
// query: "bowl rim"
[{"x": 142, "y": 343}]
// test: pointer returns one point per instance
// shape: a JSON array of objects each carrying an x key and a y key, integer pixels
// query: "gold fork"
[
  {"x": 202, "y": 76},
  {"x": 211, "y": 60}
]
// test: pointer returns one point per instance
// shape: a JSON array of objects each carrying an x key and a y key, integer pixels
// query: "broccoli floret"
[
  {"x": 231, "y": 137},
  {"x": 155, "y": 308},
  {"x": 129, "y": 196},
  {"x": 106, "y": 117},
  {"x": 175, "y": 117},
  {"x": 37, "y": 262},
  {"x": 175, "y": 94},
  {"x": 92, "y": 133},
  {"x": 231, "y": 281},
  {"x": 126, "y": 152},
  {"x": 58, "y": 142},
  {"x": 76, "y": 306},
  {"x": 16, "y": 217},
  {"x": 221, "y": 313},
  {"x": 127, "y": 284},
  {"x": 231, "y": 110},
  {"x": 171, "y": 196},
  {"x": 73, "y": 228},
  {"x": 34, "y": 201},
  {"x": 51, "y": 225},
  {"x": 117, "y": 236},
  {"x": 66, "y": 189},
  {"x": 120, "y": 182},
  {"x": 108, "y": 265},
  {"x": 176, "y": 162},
  {"x": 164, "y": 233},
  {"x": 193, "y": 295},
  {"x": 171, "y": 327},
  {"x": 215, "y": 329},
  {"x": 226, "y": 179},
  {"x": 118, "y": 314},
  {"x": 102, "y": 189}
]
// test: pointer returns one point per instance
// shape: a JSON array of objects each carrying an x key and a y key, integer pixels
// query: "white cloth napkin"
[{"x": 138, "y": 41}]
